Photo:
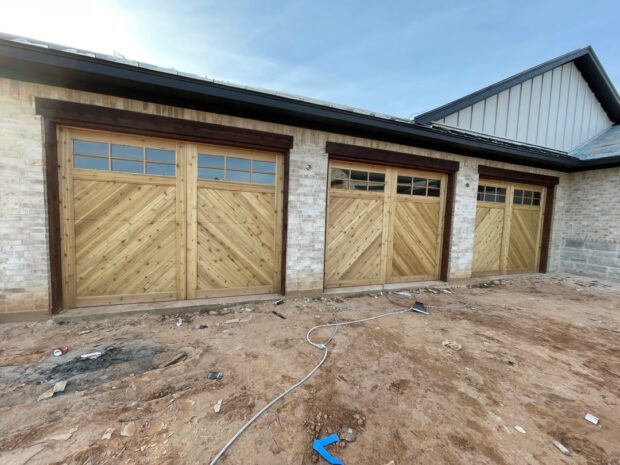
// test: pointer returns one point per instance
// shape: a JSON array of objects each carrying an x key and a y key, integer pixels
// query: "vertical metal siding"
[{"x": 556, "y": 109}]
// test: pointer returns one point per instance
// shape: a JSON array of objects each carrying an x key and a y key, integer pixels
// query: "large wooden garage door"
[
  {"x": 384, "y": 225},
  {"x": 145, "y": 219},
  {"x": 508, "y": 227}
]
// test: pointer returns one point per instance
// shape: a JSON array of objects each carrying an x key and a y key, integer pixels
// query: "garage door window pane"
[
  {"x": 84, "y": 147},
  {"x": 240, "y": 164},
  {"x": 264, "y": 166},
  {"x": 433, "y": 192},
  {"x": 210, "y": 174},
  {"x": 237, "y": 176},
  {"x": 164, "y": 156},
  {"x": 126, "y": 166},
  {"x": 262, "y": 178},
  {"x": 403, "y": 189},
  {"x": 127, "y": 151},
  {"x": 434, "y": 183},
  {"x": 211, "y": 161},
  {"x": 160, "y": 169},
  {"x": 90, "y": 163}
]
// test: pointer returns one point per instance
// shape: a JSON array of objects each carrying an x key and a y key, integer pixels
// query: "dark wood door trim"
[
  {"x": 111, "y": 119},
  {"x": 356, "y": 153},
  {"x": 447, "y": 227},
  {"x": 500, "y": 174}
]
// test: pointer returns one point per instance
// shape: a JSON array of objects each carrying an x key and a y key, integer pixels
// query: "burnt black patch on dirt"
[{"x": 117, "y": 360}]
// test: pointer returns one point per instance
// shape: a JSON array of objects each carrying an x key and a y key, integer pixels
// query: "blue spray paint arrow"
[{"x": 319, "y": 446}]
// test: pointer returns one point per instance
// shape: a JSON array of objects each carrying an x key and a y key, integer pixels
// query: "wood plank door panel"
[
  {"x": 488, "y": 239},
  {"x": 416, "y": 225},
  {"x": 236, "y": 226},
  {"x": 125, "y": 241},
  {"x": 354, "y": 239},
  {"x": 524, "y": 240},
  {"x": 121, "y": 238}
]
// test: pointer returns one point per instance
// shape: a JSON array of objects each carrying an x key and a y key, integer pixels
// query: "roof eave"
[{"x": 53, "y": 67}]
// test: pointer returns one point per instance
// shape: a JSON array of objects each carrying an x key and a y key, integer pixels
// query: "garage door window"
[
  {"x": 408, "y": 185},
  {"x": 235, "y": 169},
  {"x": 523, "y": 197},
  {"x": 491, "y": 194},
  {"x": 101, "y": 156},
  {"x": 357, "y": 180}
]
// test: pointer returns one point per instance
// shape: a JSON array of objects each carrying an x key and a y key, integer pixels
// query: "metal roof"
[
  {"x": 586, "y": 61},
  {"x": 604, "y": 145},
  {"x": 35, "y": 61}
]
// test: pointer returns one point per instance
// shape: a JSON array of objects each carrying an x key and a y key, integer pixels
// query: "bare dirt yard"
[{"x": 448, "y": 388}]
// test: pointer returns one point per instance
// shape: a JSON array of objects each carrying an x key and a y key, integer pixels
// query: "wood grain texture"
[
  {"x": 523, "y": 240},
  {"x": 236, "y": 234},
  {"x": 383, "y": 237},
  {"x": 354, "y": 235},
  {"x": 488, "y": 239},
  {"x": 125, "y": 238}
]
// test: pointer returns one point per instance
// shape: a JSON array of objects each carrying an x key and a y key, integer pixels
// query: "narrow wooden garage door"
[
  {"x": 384, "y": 225},
  {"x": 235, "y": 237},
  {"x": 508, "y": 227},
  {"x": 145, "y": 219}
]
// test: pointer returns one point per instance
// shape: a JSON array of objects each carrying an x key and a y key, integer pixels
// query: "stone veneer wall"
[
  {"x": 24, "y": 263},
  {"x": 591, "y": 232}
]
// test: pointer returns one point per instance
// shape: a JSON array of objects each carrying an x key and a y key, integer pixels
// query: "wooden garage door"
[
  {"x": 235, "y": 238},
  {"x": 143, "y": 220},
  {"x": 508, "y": 227},
  {"x": 384, "y": 225}
]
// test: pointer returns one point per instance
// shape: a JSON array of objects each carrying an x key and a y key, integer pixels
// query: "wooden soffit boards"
[
  {"x": 356, "y": 153},
  {"x": 97, "y": 117},
  {"x": 500, "y": 174}
]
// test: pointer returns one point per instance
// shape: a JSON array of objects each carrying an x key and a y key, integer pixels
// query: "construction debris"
[
  {"x": 91, "y": 355},
  {"x": 561, "y": 448},
  {"x": 520, "y": 429},
  {"x": 129, "y": 429},
  {"x": 349, "y": 434},
  {"x": 217, "y": 407},
  {"x": 452, "y": 345},
  {"x": 58, "y": 387},
  {"x": 592, "y": 419},
  {"x": 108, "y": 434},
  {"x": 233, "y": 321},
  {"x": 278, "y": 314},
  {"x": 215, "y": 375},
  {"x": 279, "y": 302}
]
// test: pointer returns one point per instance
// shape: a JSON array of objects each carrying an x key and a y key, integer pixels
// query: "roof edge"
[{"x": 586, "y": 61}]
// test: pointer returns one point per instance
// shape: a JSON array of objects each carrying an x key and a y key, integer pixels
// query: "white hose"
[{"x": 321, "y": 346}]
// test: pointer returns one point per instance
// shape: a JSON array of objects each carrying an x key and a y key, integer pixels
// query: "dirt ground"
[{"x": 447, "y": 388}]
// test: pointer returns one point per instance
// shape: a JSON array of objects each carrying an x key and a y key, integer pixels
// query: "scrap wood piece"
[
  {"x": 58, "y": 387},
  {"x": 278, "y": 314}
]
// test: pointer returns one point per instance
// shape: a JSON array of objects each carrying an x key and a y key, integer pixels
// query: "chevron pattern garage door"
[
  {"x": 145, "y": 219},
  {"x": 508, "y": 227},
  {"x": 384, "y": 225}
]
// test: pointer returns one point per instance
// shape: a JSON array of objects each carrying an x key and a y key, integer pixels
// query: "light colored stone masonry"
[
  {"x": 24, "y": 265},
  {"x": 591, "y": 232}
]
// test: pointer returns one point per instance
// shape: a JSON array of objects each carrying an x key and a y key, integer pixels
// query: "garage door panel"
[
  {"x": 416, "y": 235},
  {"x": 236, "y": 240},
  {"x": 354, "y": 233},
  {"x": 127, "y": 245},
  {"x": 488, "y": 239},
  {"x": 523, "y": 245}
]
